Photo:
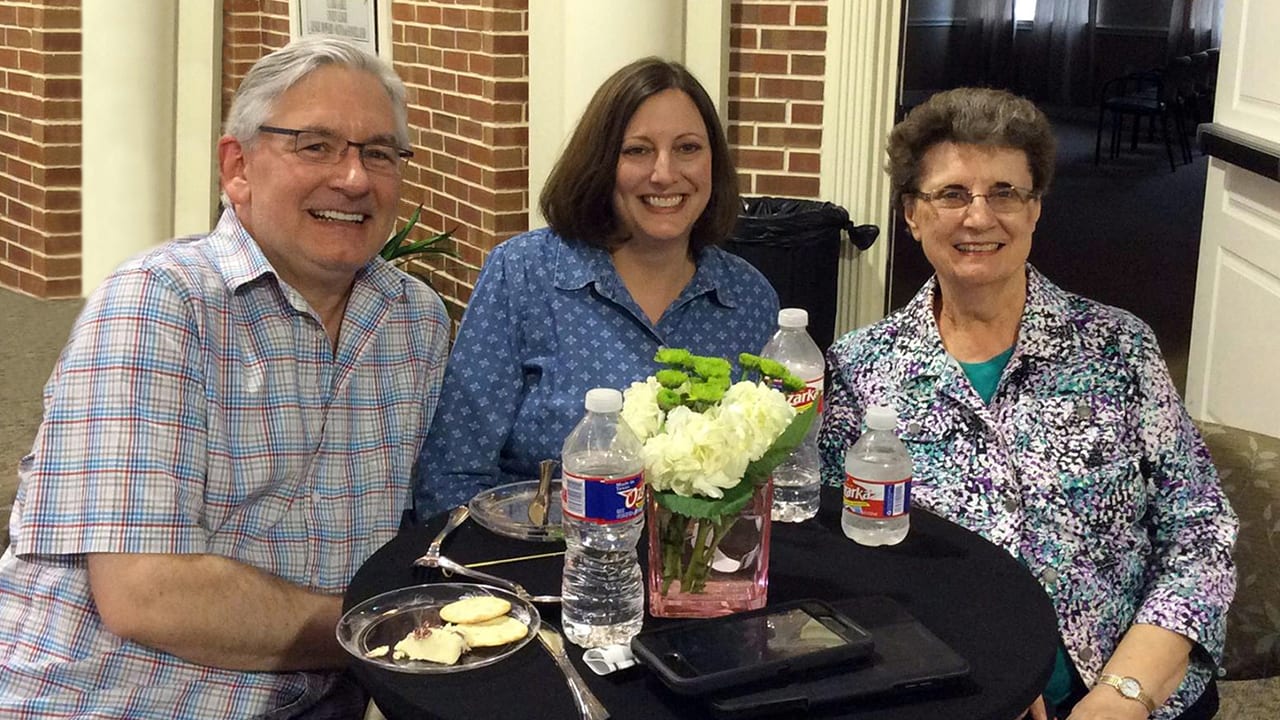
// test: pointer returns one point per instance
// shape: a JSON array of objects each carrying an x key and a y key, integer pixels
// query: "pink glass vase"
[{"x": 704, "y": 568}]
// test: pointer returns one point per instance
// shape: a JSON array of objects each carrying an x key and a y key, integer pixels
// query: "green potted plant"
[{"x": 398, "y": 252}]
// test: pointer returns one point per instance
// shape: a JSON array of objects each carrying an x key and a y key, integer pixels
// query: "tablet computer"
[
  {"x": 701, "y": 656},
  {"x": 907, "y": 658}
]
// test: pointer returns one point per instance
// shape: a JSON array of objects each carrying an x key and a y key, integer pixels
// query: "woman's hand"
[
  {"x": 1104, "y": 703},
  {"x": 1036, "y": 711}
]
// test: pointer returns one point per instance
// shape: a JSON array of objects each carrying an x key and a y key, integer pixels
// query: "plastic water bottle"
[
  {"x": 797, "y": 479},
  {"x": 602, "y": 499},
  {"x": 877, "y": 483}
]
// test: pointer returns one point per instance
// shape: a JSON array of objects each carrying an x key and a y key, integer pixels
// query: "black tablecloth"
[{"x": 973, "y": 595}]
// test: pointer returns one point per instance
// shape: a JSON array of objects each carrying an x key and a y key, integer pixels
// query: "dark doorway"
[{"x": 1125, "y": 232}]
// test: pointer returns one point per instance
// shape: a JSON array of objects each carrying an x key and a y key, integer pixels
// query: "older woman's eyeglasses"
[
  {"x": 323, "y": 148},
  {"x": 1002, "y": 199}
]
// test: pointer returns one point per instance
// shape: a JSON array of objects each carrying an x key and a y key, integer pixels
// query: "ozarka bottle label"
[
  {"x": 602, "y": 500},
  {"x": 877, "y": 498},
  {"x": 812, "y": 392}
]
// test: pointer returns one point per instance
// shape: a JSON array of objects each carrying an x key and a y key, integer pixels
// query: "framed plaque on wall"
[{"x": 355, "y": 20}]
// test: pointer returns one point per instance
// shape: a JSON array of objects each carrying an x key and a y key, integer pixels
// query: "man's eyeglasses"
[
  {"x": 324, "y": 148},
  {"x": 1002, "y": 200}
]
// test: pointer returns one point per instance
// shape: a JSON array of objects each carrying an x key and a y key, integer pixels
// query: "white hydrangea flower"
[
  {"x": 640, "y": 408},
  {"x": 757, "y": 413},
  {"x": 704, "y": 454}
]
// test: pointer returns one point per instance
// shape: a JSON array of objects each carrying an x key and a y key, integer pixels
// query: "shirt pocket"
[
  {"x": 1084, "y": 440},
  {"x": 949, "y": 462}
]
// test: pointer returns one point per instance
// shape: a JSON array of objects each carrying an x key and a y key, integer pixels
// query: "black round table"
[{"x": 970, "y": 593}]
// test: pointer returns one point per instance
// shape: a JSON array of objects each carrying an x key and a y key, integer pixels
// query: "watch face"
[{"x": 1130, "y": 687}]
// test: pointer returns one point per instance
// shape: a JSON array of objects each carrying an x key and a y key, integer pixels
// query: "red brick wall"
[
  {"x": 250, "y": 29},
  {"x": 776, "y": 69},
  {"x": 40, "y": 147},
  {"x": 466, "y": 65}
]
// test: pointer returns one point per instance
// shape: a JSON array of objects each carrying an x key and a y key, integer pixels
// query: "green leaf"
[
  {"x": 758, "y": 471},
  {"x": 426, "y": 246},
  {"x": 735, "y": 498},
  {"x": 389, "y": 251},
  {"x": 395, "y": 248}
]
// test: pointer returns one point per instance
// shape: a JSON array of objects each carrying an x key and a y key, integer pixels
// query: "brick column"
[
  {"x": 250, "y": 29},
  {"x": 40, "y": 148},
  {"x": 776, "y": 67},
  {"x": 466, "y": 66}
]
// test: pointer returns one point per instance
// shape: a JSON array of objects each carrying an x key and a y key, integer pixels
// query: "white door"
[{"x": 1234, "y": 367}]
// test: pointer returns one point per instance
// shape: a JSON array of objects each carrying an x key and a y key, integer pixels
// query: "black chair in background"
[
  {"x": 1181, "y": 80},
  {"x": 1140, "y": 95},
  {"x": 1205, "y": 64}
]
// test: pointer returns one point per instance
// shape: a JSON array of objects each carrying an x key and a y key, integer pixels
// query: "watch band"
[{"x": 1130, "y": 688}]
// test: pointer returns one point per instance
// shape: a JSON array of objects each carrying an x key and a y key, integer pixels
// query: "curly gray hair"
[{"x": 972, "y": 116}]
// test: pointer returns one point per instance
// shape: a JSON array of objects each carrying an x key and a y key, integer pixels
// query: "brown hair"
[
  {"x": 972, "y": 116},
  {"x": 577, "y": 200}
]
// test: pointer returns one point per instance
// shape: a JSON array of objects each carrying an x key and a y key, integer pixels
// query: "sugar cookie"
[
  {"x": 475, "y": 609},
  {"x": 492, "y": 632}
]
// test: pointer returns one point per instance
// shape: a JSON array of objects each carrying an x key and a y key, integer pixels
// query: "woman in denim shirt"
[
  {"x": 1044, "y": 421},
  {"x": 636, "y": 204}
]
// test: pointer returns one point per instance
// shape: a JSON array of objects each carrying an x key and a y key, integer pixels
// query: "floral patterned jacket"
[{"x": 1085, "y": 465}]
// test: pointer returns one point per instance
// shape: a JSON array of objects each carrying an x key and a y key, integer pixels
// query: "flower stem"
[
  {"x": 690, "y": 581},
  {"x": 672, "y": 534}
]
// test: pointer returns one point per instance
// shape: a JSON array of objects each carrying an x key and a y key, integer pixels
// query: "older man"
[{"x": 230, "y": 429}]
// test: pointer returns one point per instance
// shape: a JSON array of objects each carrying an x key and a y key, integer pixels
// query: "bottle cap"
[
  {"x": 880, "y": 417},
  {"x": 793, "y": 317},
  {"x": 603, "y": 400}
]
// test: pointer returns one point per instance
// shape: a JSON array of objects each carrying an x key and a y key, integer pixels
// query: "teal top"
[{"x": 985, "y": 376}]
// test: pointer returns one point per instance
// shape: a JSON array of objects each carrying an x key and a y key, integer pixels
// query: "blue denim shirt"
[
  {"x": 549, "y": 320},
  {"x": 1084, "y": 464}
]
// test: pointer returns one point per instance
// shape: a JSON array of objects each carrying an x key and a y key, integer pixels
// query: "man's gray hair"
[{"x": 280, "y": 70}]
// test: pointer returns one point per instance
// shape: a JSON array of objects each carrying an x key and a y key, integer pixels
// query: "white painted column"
[
  {"x": 863, "y": 39},
  {"x": 706, "y": 49},
  {"x": 574, "y": 45},
  {"x": 198, "y": 117},
  {"x": 129, "y": 53}
]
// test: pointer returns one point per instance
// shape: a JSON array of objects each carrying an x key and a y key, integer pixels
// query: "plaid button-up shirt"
[{"x": 199, "y": 407}]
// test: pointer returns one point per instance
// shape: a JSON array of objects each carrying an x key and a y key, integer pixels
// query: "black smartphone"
[{"x": 701, "y": 656}]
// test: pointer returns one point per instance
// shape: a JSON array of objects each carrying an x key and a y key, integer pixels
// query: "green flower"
[
  {"x": 669, "y": 399},
  {"x": 773, "y": 369},
  {"x": 707, "y": 393},
  {"x": 671, "y": 378},
  {"x": 677, "y": 357},
  {"x": 709, "y": 367}
]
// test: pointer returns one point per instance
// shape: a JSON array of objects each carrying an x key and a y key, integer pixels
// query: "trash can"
[{"x": 796, "y": 245}]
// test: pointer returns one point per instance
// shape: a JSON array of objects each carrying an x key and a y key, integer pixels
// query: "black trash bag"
[{"x": 796, "y": 245}]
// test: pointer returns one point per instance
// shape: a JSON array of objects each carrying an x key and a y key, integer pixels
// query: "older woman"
[
  {"x": 644, "y": 191},
  {"x": 1044, "y": 421}
]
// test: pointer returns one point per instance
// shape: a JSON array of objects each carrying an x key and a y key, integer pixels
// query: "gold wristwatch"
[{"x": 1130, "y": 688}]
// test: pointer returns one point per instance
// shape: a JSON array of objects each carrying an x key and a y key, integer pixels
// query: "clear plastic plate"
[
  {"x": 505, "y": 511},
  {"x": 385, "y": 619}
]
